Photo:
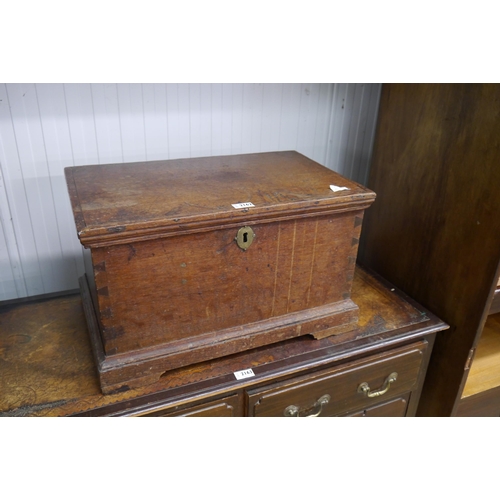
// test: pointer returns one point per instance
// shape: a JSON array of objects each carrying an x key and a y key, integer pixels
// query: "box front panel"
[{"x": 154, "y": 292}]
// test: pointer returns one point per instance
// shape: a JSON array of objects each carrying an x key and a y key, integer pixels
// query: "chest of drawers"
[{"x": 377, "y": 369}]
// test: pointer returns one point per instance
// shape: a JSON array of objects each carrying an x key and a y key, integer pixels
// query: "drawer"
[
  {"x": 344, "y": 389},
  {"x": 395, "y": 408},
  {"x": 225, "y": 407}
]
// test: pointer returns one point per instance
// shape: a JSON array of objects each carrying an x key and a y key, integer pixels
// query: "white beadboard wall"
[{"x": 46, "y": 127}]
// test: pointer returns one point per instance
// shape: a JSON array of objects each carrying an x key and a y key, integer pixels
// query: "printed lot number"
[
  {"x": 243, "y": 205},
  {"x": 244, "y": 374}
]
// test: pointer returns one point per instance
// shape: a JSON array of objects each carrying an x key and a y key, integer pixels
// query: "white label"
[
  {"x": 244, "y": 374},
  {"x": 337, "y": 188},
  {"x": 243, "y": 205}
]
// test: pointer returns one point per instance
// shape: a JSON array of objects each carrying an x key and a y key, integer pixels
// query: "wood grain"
[
  {"x": 434, "y": 230},
  {"x": 120, "y": 203},
  {"x": 153, "y": 292},
  {"x": 47, "y": 366},
  {"x": 170, "y": 287},
  {"x": 484, "y": 373},
  {"x": 394, "y": 408},
  {"x": 482, "y": 404},
  {"x": 223, "y": 407},
  {"x": 341, "y": 385}
]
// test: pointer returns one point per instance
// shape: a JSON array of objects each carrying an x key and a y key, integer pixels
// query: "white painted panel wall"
[{"x": 46, "y": 127}]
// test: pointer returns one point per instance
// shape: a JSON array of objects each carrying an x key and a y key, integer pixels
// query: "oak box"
[{"x": 195, "y": 259}]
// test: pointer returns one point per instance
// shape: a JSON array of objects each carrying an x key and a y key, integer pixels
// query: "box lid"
[{"x": 125, "y": 202}]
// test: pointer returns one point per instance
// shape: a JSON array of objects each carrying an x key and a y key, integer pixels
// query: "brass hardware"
[
  {"x": 364, "y": 388},
  {"x": 244, "y": 237},
  {"x": 294, "y": 411},
  {"x": 291, "y": 411},
  {"x": 468, "y": 363}
]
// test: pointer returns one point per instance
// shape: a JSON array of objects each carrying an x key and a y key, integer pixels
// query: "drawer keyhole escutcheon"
[
  {"x": 364, "y": 388},
  {"x": 313, "y": 411},
  {"x": 245, "y": 237}
]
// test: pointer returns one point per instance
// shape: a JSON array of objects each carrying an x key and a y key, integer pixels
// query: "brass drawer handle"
[
  {"x": 294, "y": 411},
  {"x": 364, "y": 388}
]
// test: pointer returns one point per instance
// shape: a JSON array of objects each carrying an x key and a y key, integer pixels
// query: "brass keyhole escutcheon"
[{"x": 245, "y": 237}]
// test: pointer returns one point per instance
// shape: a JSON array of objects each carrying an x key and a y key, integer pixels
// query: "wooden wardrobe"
[{"x": 434, "y": 230}]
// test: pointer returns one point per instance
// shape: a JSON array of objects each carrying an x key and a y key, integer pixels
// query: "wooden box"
[{"x": 196, "y": 259}]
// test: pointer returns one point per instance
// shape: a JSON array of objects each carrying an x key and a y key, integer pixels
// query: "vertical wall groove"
[{"x": 46, "y": 127}]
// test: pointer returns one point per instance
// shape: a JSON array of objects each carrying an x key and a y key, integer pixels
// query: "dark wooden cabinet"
[
  {"x": 378, "y": 369},
  {"x": 434, "y": 229}
]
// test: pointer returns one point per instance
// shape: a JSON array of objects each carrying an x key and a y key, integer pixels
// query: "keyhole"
[{"x": 245, "y": 237}]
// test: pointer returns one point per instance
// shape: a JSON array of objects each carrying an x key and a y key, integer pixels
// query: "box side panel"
[{"x": 154, "y": 292}]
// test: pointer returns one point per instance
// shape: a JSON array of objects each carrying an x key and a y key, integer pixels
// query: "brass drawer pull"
[
  {"x": 364, "y": 388},
  {"x": 294, "y": 411}
]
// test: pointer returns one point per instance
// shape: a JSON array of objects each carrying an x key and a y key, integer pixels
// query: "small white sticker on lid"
[
  {"x": 243, "y": 205},
  {"x": 337, "y": 188},
  {"x": 244, "y": 374}
]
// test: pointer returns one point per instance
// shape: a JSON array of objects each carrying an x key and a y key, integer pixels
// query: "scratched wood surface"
[
  {"x": 172, "y": 289},
  {"x": 123, "y": 201},
  {"x": 170, "y": 286},
  {"x": 47, "y": 367}
]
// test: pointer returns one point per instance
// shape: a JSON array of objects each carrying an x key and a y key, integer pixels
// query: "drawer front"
[
  {"x": 344, "y": 389},
  {"x": 395, "y": 408},
  {"x": 226, "y": 407}
]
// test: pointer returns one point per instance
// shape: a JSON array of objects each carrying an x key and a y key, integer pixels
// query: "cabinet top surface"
[
  {"x": 175, "y": 195},
  {"x": 47, "y": 367}
]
